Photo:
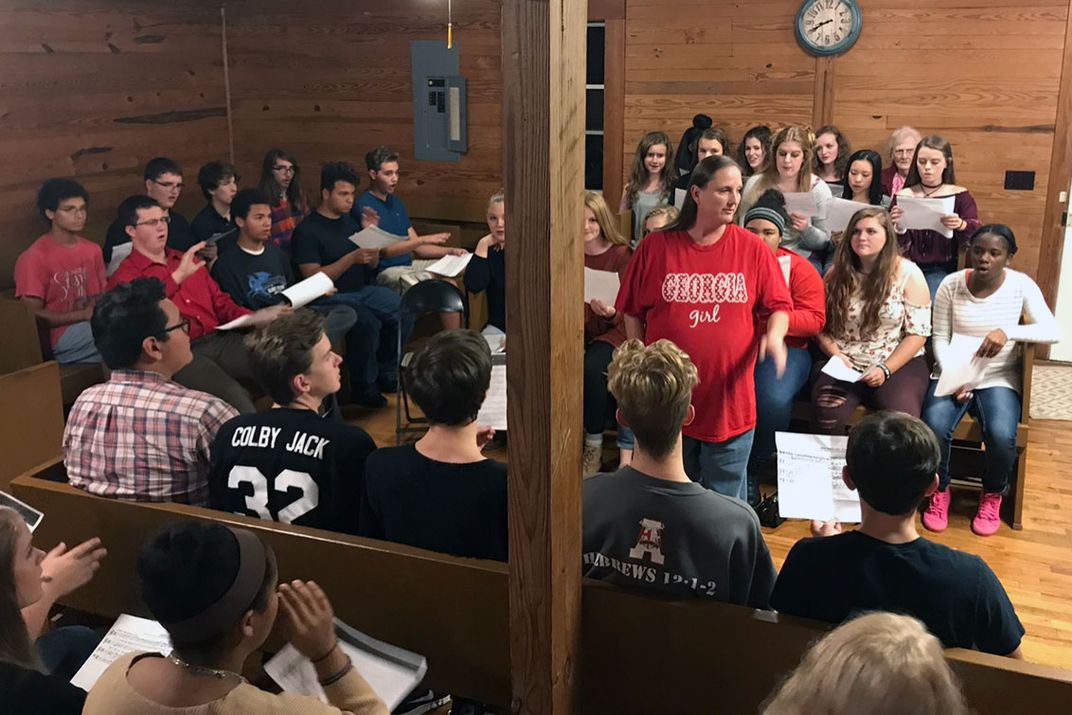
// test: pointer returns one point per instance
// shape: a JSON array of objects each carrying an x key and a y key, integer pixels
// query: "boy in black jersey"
[{"x": 288, "y": 464}]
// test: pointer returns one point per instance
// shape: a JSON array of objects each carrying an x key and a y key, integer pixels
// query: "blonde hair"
[
  {"x": 670, "y": 212},
  {"x": 595, "y": 203},
  {"x": 803, "y": 136},
  {"x": 653, "y": 386},
  {"x": 880, "y": 664},
  {"x": 497, "y": 198}
]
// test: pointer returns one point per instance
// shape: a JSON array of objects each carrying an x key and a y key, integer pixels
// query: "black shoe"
[
  {"x": 373, "y": 400},
  {"x": 388, "y": 385}
]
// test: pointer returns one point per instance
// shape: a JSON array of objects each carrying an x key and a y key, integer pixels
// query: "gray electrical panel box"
[{"x": 440, "y": 131}]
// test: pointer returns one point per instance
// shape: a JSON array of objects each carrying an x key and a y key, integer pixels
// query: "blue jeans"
[
  {"x": 774, "y": 407},
  {"x": 374, "y": 337},
  {"x": 626, "y": 439},
  {"x": 998, "y": 412},
  {"x": 719, "y": 466},
  {"x": 76, "y": 345},
  {"x": 934, "y": 273}
]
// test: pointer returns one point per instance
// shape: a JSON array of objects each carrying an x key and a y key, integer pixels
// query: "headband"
[
  {"x": 768, "y": 214},
  {"x": 235, "y": 601}
]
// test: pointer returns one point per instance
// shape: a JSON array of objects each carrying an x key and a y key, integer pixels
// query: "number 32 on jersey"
[{"x": 286, "y": 480}]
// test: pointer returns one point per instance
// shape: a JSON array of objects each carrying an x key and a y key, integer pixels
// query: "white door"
[{"x": 1063, "y": 310}]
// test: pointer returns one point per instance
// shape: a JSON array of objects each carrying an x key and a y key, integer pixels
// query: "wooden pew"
[
  {"x": 31, "y": 419},
  {"x": 639, "y": 654},
  {"x": 966, "y": 460}
]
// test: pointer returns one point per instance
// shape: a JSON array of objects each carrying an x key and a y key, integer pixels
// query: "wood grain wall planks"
[
  {"x": 331, "y": 82},
  {"x": 93, "y": 89},
  {"x": 984, "y": 73}
]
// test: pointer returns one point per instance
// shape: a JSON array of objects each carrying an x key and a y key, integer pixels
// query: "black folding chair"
[{"x": 431, "y": 296}]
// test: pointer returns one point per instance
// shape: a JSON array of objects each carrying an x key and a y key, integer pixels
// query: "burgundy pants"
[{"x": 834, "y": 400}]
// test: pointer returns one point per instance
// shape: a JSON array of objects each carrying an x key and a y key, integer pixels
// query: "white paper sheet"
[
  {"x": 31, "y": 516},
  {"x": 127, "y": 635},
  {"x": 493, "y": 411},
  {"x": 450, "y": 266},
  {"x": 375, "y": 237},
  {"x": 809, "y": 478},
  {"x": 119, "y": 254},
  {"x": 391, "y": 671},
  {"x": 802, "y": 202},
  {"x": 839, "y": 211},
  {"x": 244, "y": 321},
  {"x": 960, "y": 366},
  {"x": 926, "y": 214},
  {"x": 495, "y": 342},
  {"x": 601, "y": 285},
  {"x": 836, "y": 368},
  {"x": 679, "y": 198},
  {"x": 305, "y": 292},
  {"x": 786, "y": 264}
]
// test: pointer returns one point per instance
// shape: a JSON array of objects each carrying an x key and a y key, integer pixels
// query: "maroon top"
[
  {"x": 924, "y": 247},
  {"x": 615, "y": 259}
]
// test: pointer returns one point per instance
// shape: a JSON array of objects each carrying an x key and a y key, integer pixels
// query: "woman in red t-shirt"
[
  {"x": 605, "y": 249},
  {"x": 701, "y": 284}
]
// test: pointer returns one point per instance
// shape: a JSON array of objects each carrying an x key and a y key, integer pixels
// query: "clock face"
[{"x": 828, "y": 26}]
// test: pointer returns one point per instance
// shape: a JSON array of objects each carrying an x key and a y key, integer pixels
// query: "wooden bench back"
[
  {"x": 31, "y": 419},
  {"x": 639, "y": 654}
]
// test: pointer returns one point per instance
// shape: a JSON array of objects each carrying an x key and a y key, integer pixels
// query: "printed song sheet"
[
  {"x": 679, "y": 198},
  {"x": 601, "y": 285},
  {"x": 450, "y": 266},
  {"x": 801, "y": 203},
  {"x": 119, "y": 254},
  {"x": 809, "y": 478},
  {"x": 127, "y": 635},
  {"x": 244, "y": 321},
  {"x": 926, "y": 214},
  {"x": 375, "y": 237},
  {"x": 493, "y": 411},
  {"x": 31, "y": 516},
  {"x": 836, "y": 368},
  {"x": 839, "y": 211},
  {"x": 960, "y": 366},
  {"x": 305, "y": 292}
]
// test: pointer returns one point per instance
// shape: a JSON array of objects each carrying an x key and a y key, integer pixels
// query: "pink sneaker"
[
  {"x": 987, "y": 520},
  {"x": 936, "y": 516}
]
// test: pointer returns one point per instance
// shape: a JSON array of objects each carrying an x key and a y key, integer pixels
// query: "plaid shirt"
[
  {"x": 142, "y": 437},
  {"x": 285, "y": 218}
]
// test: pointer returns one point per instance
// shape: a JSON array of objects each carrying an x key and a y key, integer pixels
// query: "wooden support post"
[
  {"x": 823, "y": 107},
  {"x": 543, "y": 120}
]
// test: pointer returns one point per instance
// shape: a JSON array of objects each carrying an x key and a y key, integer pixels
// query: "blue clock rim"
[{"x": 849, "y": 41}]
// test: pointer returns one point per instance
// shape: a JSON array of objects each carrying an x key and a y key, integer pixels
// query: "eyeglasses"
[
  {"x": 904, "y": 152},
  {"x": 184, "y": 326},
  {"x": 154, "y": 222},
  {"x": 284, "y": 169},
  {"x": 169, "y": 185}
]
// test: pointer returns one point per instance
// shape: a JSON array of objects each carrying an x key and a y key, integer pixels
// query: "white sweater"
[{"x": 957, "y": 311}]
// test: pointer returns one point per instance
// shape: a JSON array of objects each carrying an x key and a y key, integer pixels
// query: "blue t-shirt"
[
  {"x": 393, "y": 219},
  {"x": 955, "y": 594}
]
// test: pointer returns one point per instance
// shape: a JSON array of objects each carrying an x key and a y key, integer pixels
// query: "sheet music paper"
[
  {"x": 493, "y": 411},
  {"x": 802, "y": 202},
  {"x": 786, "y": 264},
  {"x": 305, "y": 292},
  {"x": 679, "y": 198},
  {"x": 809, "y": 478},
  {"x": 31, "y": 516},
  {"x": 240, "y": 322},
  {"x": 119, "y": 254},
  {"x": 836, "y": 368},
  {"x": 926, "y": 214},
  {"x": 127, "y": 635},
  {"x": 601, "y": 285},
  {"x": 391, "y": 671},
  {"x": 960, "y": 366},
  {"x": 375, "y": 237},
  {"x": 450, "y": 266},
  {"x": 840, "y": 211}
]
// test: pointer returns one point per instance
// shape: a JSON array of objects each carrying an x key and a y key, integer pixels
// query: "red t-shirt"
[
  {"x": 66, "y": 278},
  {"x": 706, "y": 300},
  {"x": 199, "y": 298}
]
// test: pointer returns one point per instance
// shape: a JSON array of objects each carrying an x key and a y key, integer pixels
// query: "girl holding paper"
[
  {"x": 651, "y": 181},
  {"x": 789, "y": 171},
  {"x": 862, "y": 186},
  {"x": 878, "y": 318},
  {"x": 932, "y": 177},
  {"x": 605, "y": 249},
  {"x": 986, "y": 302},
  {"x": 33, "y": 581}
]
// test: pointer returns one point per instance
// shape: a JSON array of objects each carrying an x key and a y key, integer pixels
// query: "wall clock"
[{"x": 828, "y": 27}]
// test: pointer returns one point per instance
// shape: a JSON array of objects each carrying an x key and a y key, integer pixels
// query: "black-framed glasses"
[
  {"x": 184, "y": 326},
  {"x": 154, "y": 222}
]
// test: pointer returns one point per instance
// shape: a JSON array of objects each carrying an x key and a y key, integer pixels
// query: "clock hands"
[{"x": 824, "y": 22}]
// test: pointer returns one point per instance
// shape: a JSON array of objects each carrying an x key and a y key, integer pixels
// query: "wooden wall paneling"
[
  {"x": 823, "y": 109},
  {"x": 331, "y": 82},
  {"x": 543, "y": 111},
  {"x": 1060, "y": 176},
  {"x": 93, "y": 89}
]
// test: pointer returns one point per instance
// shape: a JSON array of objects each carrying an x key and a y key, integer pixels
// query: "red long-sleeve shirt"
[
  {"x": 806, "y": 289},
  {"x": 198, "y": 298}
]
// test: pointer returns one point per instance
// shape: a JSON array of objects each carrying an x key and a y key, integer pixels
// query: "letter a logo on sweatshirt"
[{"x": 650, "y": 542}]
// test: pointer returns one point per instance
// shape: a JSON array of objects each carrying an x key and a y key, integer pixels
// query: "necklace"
[
  {"x": 933, "y": 190},
  {"x": 202, "y": 670}
]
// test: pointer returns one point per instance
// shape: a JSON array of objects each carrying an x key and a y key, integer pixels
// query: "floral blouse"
[{"x": 897, "y": 318}]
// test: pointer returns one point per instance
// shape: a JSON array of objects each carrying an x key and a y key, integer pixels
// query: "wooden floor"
[{"x": 1034, "y": 564}]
